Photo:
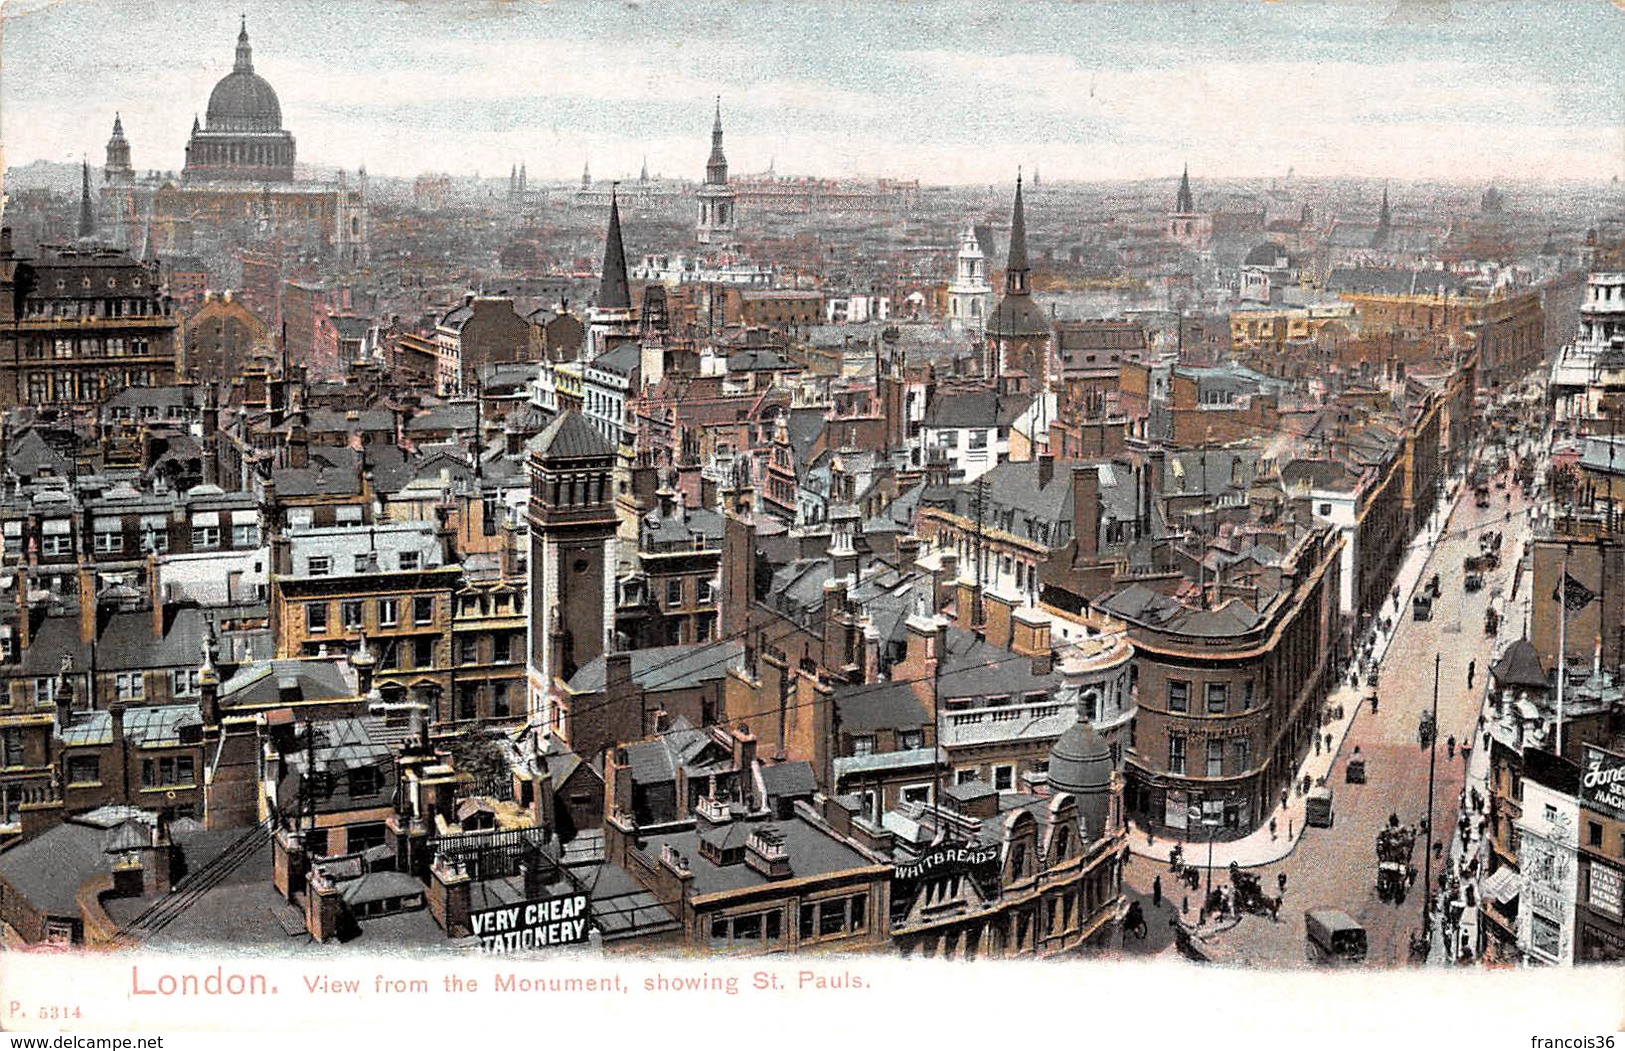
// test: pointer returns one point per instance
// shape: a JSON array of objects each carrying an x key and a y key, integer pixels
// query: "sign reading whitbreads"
[
  {"x": 560, "y": 920},
  {"x": 1602, "y": 784},
  {"x": 947, "y": 861}
]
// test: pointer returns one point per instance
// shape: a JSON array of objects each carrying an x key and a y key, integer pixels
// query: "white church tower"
[{"x": 969, "y": 294}]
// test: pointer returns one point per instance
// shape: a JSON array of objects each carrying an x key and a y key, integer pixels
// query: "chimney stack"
[
  {"x": 1046, "y": 468},
  {"x": 87, "y": 605}
]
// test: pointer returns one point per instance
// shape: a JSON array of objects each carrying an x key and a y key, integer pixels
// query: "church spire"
[
  {"x": 1184, "y": 203},
  {"x": 245, "y": 54},
  {"x": 1015, "y": 270},
  {"x": 613, "y": 293},
  {"x": 87, "y": 218},
  {"x": 716, "y": 169}
]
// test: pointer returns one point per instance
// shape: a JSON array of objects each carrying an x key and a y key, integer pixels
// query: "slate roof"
[
  {"x": 666, "y": 667},
  {"x": 153, "y": 727},
  {"x": 883, "y": 706},
  {"x": 260, "y": 684},
  {"x": 812, "y": 852},
  {"x": 786, "y": 780},
  {"x": 1395, "y": 282},
  {"x": 977, "y": 408},
  {"x": 571, "y": 437},
  {"x": 1520, "y": 665},
  {"x": 620, "y": 359}
]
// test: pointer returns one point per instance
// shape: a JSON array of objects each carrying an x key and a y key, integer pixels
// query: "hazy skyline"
[{"x": 946, "y": 92}]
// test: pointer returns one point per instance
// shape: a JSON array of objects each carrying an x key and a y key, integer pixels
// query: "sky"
[{"x": 947, "y": 92}]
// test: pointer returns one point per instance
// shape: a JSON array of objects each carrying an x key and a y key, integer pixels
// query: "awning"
[{"x": 1501, "y": 886}]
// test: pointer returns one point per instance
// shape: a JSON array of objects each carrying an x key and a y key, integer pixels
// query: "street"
[{"x": 1336, "y": 867}]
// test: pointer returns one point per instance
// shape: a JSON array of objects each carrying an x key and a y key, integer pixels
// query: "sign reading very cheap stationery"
[{"x": 1602, "y": 783}]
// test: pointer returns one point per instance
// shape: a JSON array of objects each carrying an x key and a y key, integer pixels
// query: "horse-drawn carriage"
[{"x": 1395, "y": 873}]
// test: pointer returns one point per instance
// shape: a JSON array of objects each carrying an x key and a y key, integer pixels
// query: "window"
[
  {"x": 964, "y": 777},
  {"x": 84, "y": 770},
  {"x": 1325, "y": 510},
  {"x": 1176, "y": 753},
  {"x": 11, "y": 747},
  {"x": 1218, "y": 697},
  {"x": 409, "y": 561},
  {"x": 130, "y": 686},
  {"x": 1004, "y": 778},
  {"x": 364, "y": 837},
  {"x": 350, "y": 615},
  {"x": 674, "y": 592},
  {"x": 751, "y": 927},
  {"x": 320, "y": 565},
  {"x": 364, "y": 563},
  {"x": 916, "y": 794},
  {"x": 389, "y": 613},
  {"x": 1593, "y": 834},
  {"x": 1215, "y": 758},
  {"x": 56, "y": 538},
  {"x": 468, "y": 651},
  {"x": 1179, "y": 695},
  {"x": 911, "y": 739},
  {"x": 1247, "y": 695},
  {"x": 167, "y": 770},
  {"x": 245, "y": 534},
  {"x": 422, "y": 609},
  {"x": 863, "y": 745},
  {"x": 365, "y": 781},
  {"x": 499, "y": 700},
  {"x": 108, "y": 536},
  {"x": 468, "y": 701},
  {"x": 1244, "y": 756},
  {"x": 183, "y": 682},
  {"x": 1551, "y": 814},
  {"x": 205, "y": 537},
  {"x": 315, "y": 617},
  {"x": 501, "y": 648},
  {"x": 422, "y": 653},
  {"x": 978, "y": 441}
]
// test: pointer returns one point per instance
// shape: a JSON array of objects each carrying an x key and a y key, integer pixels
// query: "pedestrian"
[
  {"x": 1283, "y": 794},
  {"x": 1289, "y": 829},
  {"x": 1317, "y": 747},
  {"x": 1471, "y": 667},
  {"x": 1373, "y": 704},
  {"x": 1185, "y": 905},
  {"x": 1280, "y": 881},
  {"x": 1272, "y": 828},
  {"x": 1450, "y": 745},
  {"x": 1328, "y": 742},
  {"x": 1156, "y": 892}
]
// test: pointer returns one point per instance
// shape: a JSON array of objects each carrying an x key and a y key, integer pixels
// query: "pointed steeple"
[
  {"x": 643, "y": 175},
  {"x": 245, "y": 54},
  {"x": 716, "y": 169},
  {"x": 87, "y": 217},
  {"x": 586, "y": 174},
  {"x": 1384, "y": 222},
  {"x": 1015, "y": 269},
  {"x": 613, "y": 292},
  {"x": 521, "y": 178},
  {"x": 1184, "y": 203},
  {"x": 118, "y": 125}
]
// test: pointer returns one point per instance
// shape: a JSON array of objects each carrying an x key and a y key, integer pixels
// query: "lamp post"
[{"x": 1427, "y": 851}]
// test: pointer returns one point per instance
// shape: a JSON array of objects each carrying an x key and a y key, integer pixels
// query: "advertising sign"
[
  {"x": 1602, "y": 783},
  {"x": 560, "y": 920},
  {"x": 979, "y": 862}
]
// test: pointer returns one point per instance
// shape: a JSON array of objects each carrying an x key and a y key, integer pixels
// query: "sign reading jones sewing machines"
[
  {"x": 560, "y": 920},
  {"x": 1602, "y": 782}
]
